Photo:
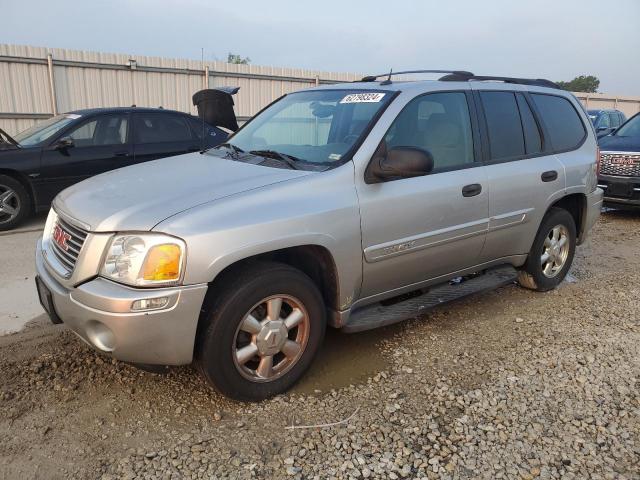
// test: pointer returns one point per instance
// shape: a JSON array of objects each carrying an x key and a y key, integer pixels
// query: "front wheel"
[
  {"x": 552, "y": 252},
  {"x": 15, "y": 203},
  {"x": 261, "y": 331}
]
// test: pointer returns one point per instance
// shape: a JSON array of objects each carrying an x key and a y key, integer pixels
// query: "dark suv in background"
[
  {"x": 43, "y": 160},
  {"x": 619, "y": 169},
  {"x": 606, "y": 121}
]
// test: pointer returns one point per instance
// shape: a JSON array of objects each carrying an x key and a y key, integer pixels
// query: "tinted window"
[
  {"x": 532, "y": 138},
  {"x": 198, "y": 127},
  {"x": 439, "y": 123},
  {"x": 159, "y": 128},
  {"x": 506, "y": 138},
  {"x": 564, "y": 126},
  {"x": 103, "y": 130},
  {"x": 603, "y": 121},
  {"x": 615, "y": 121}
]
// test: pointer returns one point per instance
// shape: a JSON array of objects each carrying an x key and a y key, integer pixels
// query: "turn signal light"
[{"x": 162, "y": 263}]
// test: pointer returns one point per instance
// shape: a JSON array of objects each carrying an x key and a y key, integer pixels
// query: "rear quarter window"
[{"x": 565, "y": 128}]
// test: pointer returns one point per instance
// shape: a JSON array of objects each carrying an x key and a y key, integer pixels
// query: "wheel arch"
[
  {"x": 316, "y": 261},
  {"x": 576, "y": 205}
]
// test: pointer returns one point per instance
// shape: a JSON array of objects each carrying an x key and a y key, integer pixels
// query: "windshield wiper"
[{"x": 288, "y": 159}]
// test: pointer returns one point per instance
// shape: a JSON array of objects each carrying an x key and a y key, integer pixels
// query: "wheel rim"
[
  {"x": 555, "y": 251},
  {"x": 9, "y": 204},
  {"x": 271, "y": 338}
]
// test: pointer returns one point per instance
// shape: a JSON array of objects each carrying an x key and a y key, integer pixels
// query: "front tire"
[
  {"x": 15, "y": 203},
  {"x": 261, "y": 331},
  {"x": 552, "y": 252}
]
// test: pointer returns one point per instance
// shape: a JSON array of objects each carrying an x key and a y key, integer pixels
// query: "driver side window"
[
  {"x": 101, "y": 131},
  {"x": 439, "y": 123}
]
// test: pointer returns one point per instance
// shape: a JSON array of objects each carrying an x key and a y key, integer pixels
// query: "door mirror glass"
[
  {"x": 401, "y": 162},
  {"x": 64, "y": 143}
]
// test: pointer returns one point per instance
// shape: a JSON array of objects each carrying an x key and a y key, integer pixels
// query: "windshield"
[
  {"x": 44, "y": 130},
  {"x": 593, "y": 115},
  {"x": 630, "y": 129},
  {"x": 319, "y": 126}
]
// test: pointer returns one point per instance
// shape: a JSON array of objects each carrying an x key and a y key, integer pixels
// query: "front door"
[
  {"x": 415, "y": 229},
  {"x": 97, "y": 145}
]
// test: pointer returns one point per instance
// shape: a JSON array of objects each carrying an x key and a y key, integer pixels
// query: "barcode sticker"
[{"x": 363, "y": 98}]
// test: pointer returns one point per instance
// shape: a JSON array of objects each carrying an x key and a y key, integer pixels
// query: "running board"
[{"x": 377, "y": 315}]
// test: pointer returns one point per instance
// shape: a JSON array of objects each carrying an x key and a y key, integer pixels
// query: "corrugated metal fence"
[{"x": 36, "y": 82}]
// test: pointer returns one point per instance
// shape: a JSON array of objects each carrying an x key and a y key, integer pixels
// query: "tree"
[
  {"x": 582, "y": 83},
  {"x": 237, "y": 59}
]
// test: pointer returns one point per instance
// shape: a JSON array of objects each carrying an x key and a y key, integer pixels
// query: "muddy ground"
[{"x": 512, "y": 384}]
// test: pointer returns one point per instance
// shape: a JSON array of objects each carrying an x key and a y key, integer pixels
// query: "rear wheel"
[
  {"x": 15, "y": 203},
  {"x": 552, "y": 252},
  {"x": 261, "y": 331}
]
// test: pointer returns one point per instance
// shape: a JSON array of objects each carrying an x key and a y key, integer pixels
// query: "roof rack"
[
  {"x": 372, "y": 78},
  {"x": 464, "y": 76}
]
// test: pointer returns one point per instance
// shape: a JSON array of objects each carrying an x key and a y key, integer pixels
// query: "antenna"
[{"x": 388, "y": 80}]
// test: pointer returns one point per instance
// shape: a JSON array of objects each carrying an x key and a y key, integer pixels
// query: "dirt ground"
[{"x": 512, "y": 384}]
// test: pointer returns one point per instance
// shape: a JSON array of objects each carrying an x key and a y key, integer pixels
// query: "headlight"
[{"x": 144, "y": 260}]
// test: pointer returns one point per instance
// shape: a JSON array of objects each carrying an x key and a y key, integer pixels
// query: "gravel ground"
[{"x": 513, "y": 384}]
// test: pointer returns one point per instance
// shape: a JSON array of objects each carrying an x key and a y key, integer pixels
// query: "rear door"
[
  {"x": 100, "y": 143},
  {"x": 416, "y": 229},
  {"x": 523, "y": 173},
  {"x": 162, "y": 134}
]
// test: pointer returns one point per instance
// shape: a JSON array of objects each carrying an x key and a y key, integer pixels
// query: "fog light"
[{"x": 149, "y": 304}]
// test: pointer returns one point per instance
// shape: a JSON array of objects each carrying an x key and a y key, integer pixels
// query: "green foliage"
[
  {"x": 237, "y": 59},
  {"x": 582, "y": 83}
]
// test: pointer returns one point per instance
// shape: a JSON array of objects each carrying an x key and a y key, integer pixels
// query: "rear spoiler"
[{"x": 215, "y": 106}]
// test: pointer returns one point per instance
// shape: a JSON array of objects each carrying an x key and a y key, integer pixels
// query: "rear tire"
[
  {"x": 552, "y": 252},
  {"x": 15, "y": 203},
  {"x": 260, "y": 331}
]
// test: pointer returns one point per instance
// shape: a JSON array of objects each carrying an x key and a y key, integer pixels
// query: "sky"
[{"x": 554, "y": 39}]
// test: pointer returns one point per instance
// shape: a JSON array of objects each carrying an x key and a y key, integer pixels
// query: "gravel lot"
[{"x": 513, "y": 384}]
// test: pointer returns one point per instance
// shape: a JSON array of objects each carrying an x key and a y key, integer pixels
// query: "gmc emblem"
[
  {"x": 623, "y": 161},
  {"x": 61, "y": 237}
]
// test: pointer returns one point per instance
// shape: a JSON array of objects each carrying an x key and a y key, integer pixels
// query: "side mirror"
[
  {"x": 64, "y": 143},
  {"x": 601, "y": 129},
  {"x": 399, "y": 162}
]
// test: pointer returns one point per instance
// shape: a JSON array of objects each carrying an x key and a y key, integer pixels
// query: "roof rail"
[
  {"x": 463, "y": 77},
  {"x": 372, "y": 78}
]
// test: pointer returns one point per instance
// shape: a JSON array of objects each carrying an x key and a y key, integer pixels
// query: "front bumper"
[
  {"x": 99, "y": 312},
  {"x": 620, "y": 190}
]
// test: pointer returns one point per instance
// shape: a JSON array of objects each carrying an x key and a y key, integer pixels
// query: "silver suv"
[{"x": 352, "y": 205}]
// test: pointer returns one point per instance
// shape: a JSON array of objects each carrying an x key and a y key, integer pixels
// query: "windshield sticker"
[
  {"x": 363, "y": 98},
  {"x": 73, "y": 116},
  {"x": 335, "y": 156}
]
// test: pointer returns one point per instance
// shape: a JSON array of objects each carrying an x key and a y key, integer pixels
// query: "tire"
[
  {"x": 230, "y": 355},
  {"x": 15, "y": 203},
  {"x": 541, "y": 275}
]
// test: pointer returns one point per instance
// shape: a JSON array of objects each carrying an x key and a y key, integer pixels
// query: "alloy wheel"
[
  {"x": 555, "y": 251},
  {"x": 271, "y": 338},
  {"x": 9, "y": 204}
]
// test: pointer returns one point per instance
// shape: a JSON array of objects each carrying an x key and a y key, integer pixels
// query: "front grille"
[
  {"x": 73, "y": 240},
  {"x": 620, "y": 164}
]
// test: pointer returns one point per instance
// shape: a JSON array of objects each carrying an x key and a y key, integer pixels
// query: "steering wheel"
[{"x": 351, "y": 136}]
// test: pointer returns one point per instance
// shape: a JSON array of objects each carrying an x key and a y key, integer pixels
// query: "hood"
[
  {"x": 141, "y": 196},
  {"x": 619, "y": 144}
]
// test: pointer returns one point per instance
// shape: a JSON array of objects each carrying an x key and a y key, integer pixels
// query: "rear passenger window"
[
  {"x": 615, "y": 121},
  {"x": 506, "y": 138},
  {"x": 566, "y": 130},
  {"x": 160, "y": 128},
  {"x": 532, "y": 138}
]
